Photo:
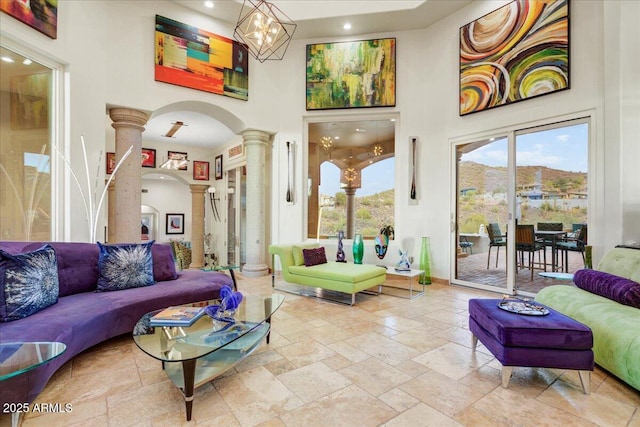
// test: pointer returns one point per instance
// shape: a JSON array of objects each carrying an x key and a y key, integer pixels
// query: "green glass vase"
[
  {"x": 425, "y": 263},
  {"x": 588, "y": 257},
  {"x": 358, "y": 249}
]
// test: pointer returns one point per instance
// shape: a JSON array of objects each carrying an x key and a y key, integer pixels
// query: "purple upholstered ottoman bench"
[{"x": 550, "y": 341}]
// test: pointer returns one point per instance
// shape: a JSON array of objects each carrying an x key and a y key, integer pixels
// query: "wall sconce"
[
  {"x": 290, "y": 172},
  {"x": 214, "y": 205},
  {"x": 265, "y": 29}
]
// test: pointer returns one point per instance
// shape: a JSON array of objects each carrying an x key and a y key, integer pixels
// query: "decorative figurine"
[
  {"x": 340, "y": 256},
  {"x": 403, "y": 264}
]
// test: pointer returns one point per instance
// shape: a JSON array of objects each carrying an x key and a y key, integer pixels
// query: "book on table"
[{"x": 177, "y": 316}]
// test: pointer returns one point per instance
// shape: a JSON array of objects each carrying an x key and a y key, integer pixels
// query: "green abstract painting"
[{"x": 351, "y": 74}]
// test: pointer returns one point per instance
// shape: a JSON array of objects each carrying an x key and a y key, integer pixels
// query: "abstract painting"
[
  {"x": 351, "y": 74},
  {"x": 190, "y": 57},
  {"x": 39, "y": 14},
  {"x": 516, "y": 52}
]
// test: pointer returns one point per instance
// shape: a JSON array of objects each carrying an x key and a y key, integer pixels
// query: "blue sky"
[
  {"x": 378, "y": 177},
  {"x": 563, "y": 148}
]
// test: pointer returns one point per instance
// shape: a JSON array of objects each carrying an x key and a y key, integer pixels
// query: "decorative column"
[
  {"x": 111, "y": 211},
  {"x": 256, "y": 142},
  {"x": 129, "y": 125},
  {"x": 351, "y": 205},
  {"x": 197, "y": 225}
]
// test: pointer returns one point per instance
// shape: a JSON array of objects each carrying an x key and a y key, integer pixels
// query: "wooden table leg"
[{"x": 189, "y": 375}]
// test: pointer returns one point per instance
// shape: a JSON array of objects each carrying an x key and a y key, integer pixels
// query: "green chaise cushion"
[
  {"x": 616, "y": 336},
  {"x": 340, "y": 272}
]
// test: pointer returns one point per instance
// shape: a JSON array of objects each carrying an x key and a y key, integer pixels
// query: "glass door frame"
[
  {"x": 511, "y": 133},
  {"x": 236, "y": 196}
]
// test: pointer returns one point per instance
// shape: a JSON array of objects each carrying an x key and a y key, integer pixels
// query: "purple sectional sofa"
[{"x": 83, "y": 317}]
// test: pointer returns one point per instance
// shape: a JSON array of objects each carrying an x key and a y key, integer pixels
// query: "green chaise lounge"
[
  {"x": 335, "y": 276},
  {"x": 615, "y": 326}
]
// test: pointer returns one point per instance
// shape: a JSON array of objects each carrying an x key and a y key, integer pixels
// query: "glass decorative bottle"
[
  {"x": 588, "y": 257},
  {"x": 425, "y": 263},
  {"x": 358, "y": 249}
]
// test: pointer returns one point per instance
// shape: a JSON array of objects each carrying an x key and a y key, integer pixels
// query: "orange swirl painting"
[{"x": 516, "y": 52}]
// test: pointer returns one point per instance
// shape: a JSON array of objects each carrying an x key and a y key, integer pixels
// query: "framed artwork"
[
  {"x": 351, "y": 74},
  {"x": 41, "y": 15},
  {"x": 29, "y": 101},
  {"x": 516, "y": 52},
  {"x": 218, "y": 167},
  {"x": 148, "y": 226},
  {"x": 111, "y": 162},
  {"x": 194, "y": 58},
  {"x": 175, "y": 223},
  {"x": 148, "y": 158},
  {"x": 200, "y": 171},
  {"x": 178, "y": 155}
]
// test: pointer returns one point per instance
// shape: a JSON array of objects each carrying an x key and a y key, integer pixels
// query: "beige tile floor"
[{"x": 384, "y": 362}]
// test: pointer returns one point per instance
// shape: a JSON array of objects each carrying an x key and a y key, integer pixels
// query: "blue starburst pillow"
[
  {"x": 124, "y": 266},
  {"x": 28, "y": 283}
]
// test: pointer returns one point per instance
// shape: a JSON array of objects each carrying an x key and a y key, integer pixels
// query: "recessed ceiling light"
[
  {"x": 393, "y": 120},
  {"x": 208, "y": 4},
  {"x": 7, "y": 59},
  {"x": 27, "y": 61},
  {"x": 347, "y": 26},
  {"x": 336, "y": 138}
]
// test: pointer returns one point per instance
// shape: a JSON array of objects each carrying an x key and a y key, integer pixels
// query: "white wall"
[
  {"x": 108, "y": 50},
  {"x": 427, "y": 101}
]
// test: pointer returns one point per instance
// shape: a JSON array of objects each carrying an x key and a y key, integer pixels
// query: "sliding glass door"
[{"x": 520, "y": 207}]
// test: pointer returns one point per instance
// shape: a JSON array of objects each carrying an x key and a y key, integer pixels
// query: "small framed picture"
[
  {"x": 219, "y": 167},
  {"x": 148, "y": 158},
  {"x": 175, "y": 223},
  {"x": 178, "y": 155},
  {"x": 200, "y": 171},
  {"x": 111, "y": 163}
]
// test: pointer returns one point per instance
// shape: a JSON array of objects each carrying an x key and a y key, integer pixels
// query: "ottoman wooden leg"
[
  {"x": 585, "y": 379},
  {"x": 474, "y": 342},
  {"x": 506, "y": 375}
]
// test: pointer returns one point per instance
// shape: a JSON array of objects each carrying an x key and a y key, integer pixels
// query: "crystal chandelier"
[
  {"x": 326, "y": 143},
  {"x": 265, "y": 29}
]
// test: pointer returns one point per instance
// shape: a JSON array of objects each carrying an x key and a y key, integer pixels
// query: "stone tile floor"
[{"x": 384, "y": 362}]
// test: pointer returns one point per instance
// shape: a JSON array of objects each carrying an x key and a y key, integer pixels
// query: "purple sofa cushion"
[
  {"x": 314, "y": 256},
  {"x": 554, "y": 330},
  {"x": 164, "y": 266},
  {"x": 608, "y": 285},
  {"x": 125, "y": 266},
  {"x": 28, "y": 283}
]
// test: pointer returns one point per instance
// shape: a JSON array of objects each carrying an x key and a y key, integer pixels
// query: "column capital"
[
  {"x": 256, "y": 137},
  {"x": 198, "y": 188},
  {"x": 126, "y": 117}
]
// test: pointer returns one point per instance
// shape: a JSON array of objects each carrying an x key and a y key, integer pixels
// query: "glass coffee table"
[
  {"x": 16, "y": 358},
  {"x": 194, "y": 355}
]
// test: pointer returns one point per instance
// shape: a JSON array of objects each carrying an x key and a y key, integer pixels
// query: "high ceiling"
[{"x": 315, "y": 19}]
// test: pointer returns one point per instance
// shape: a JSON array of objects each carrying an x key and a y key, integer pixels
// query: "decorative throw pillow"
[
  {"x": 610, "y": 286},
  {"x": 298, "y": 258},
  {"x": 314, "y": 256},
  {"x": 28, "y": 283},
  {"x": 124, "y": 266}
]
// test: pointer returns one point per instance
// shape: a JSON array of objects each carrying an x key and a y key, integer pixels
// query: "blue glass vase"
[{"x": 358, "y": 249}]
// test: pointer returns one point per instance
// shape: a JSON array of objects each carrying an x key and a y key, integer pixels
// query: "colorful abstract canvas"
[
  {"x": 516, "y": 52},
  {"x": 190, "y": 57},
  {"x": 351, "y": 74},
  {"x": 39, "y": 14}
]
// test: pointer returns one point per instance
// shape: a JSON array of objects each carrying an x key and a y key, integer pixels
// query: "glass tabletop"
[
  {"x": 19, "y": 357},
  {"x": 206, "y": 335}
]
